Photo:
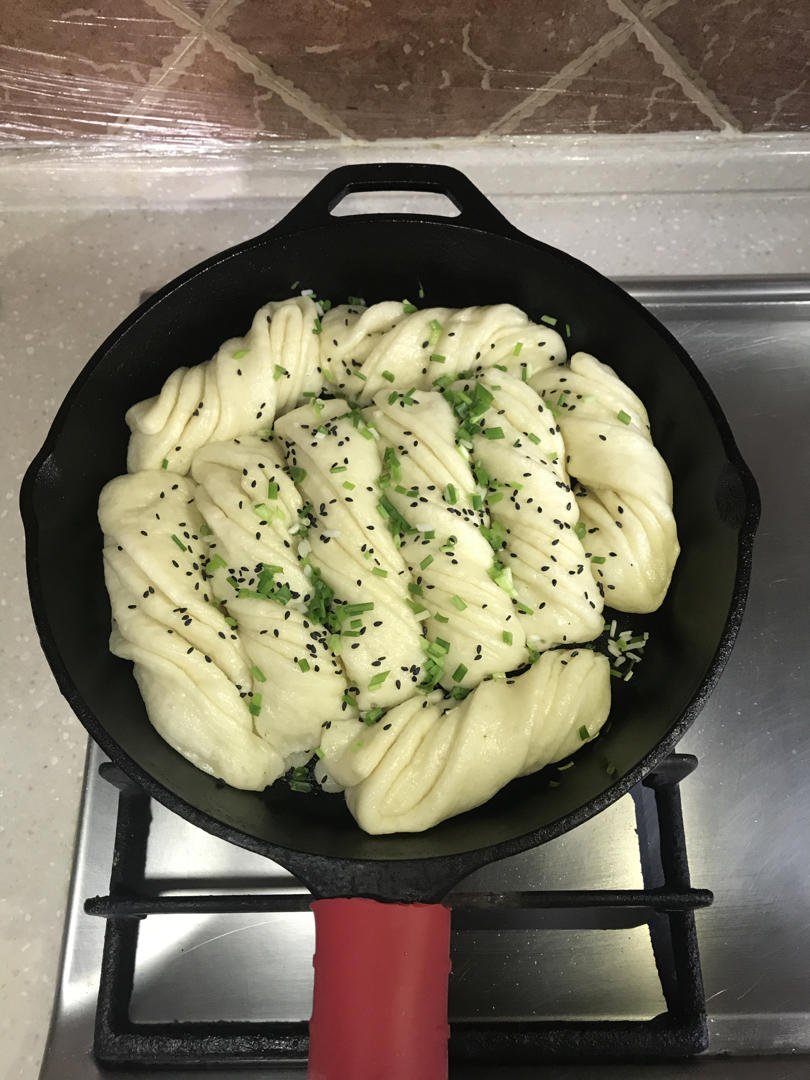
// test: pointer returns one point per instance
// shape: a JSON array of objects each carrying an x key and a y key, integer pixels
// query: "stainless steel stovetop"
[{"x": 746, "y": 808}]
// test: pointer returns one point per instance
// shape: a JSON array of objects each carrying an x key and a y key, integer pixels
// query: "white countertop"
[{"x": 82, "y": 236}]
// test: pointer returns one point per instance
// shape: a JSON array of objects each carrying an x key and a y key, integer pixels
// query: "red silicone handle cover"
[{"x": 379, "y": 1009}]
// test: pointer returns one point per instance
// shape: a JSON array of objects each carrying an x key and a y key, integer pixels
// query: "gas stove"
[{"x": 184, "y": 952}]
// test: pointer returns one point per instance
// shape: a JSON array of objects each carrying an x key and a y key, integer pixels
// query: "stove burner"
[{"x": 679, "y": 1031}]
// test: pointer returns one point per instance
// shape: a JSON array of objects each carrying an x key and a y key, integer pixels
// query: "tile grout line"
[
  {"x": 262, "y": 74},
  {"x": 674, "y": 64},
  {"x": 163, "y": 76},
  {"x": 560, "y": 82},
  {"x": 160, "y": 79},
  {"x": 540, "y": 97}
]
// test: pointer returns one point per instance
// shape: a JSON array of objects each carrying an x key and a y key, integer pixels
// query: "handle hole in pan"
[{"x": 396, "y": 202}]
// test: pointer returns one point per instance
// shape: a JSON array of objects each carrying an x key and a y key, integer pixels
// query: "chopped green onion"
[
  {"x": 481, "y": 474},
  {"x": 377, "y": 680},
  {"x": 517, "y": 348},
  {"x": 567, "y": 330},
  {"x": 584, "y": 734},
  {"x": 451, "y": 494},
  {"x": 279, "y": 372},
  {"x": 494, "y": 432},
  {"x": 360, "y": 375},
  {"x": 367, "y": 432},
  {"x": 239, "y": 354},
  {"x": 622, "y": 415},
  {"x": 524, "y": 373},
  {"x": 597, "y": 558},
  {"x": 459, "y": 673},
  {"x": 561, "y": 399},
  {"x": 580, "y": 530},
  {"x": 533, "y": 438},
  {"x": 266, "y": 583},
  {"x": 300, "y": 785},
  {"x": 348, "y": 485},
  {"x": 414, "y": 588},
  {"x": 477, "y": 502},
  {"x": 297, "y": 473},
  {"x": 231, "y": 622},
  {"x": 392, "y": 397},
  {"x": 358, "y": 609},
  {"x": 458, "y": 603},
  {"x": 355, "y": 301},
  {"x": 425, "y": 563},
  {"x": 458, "y": 693},
  {"x": 338, "y": 468},
  {"x": 389, "y": 375},
  {"x": 216, "y": 562},
  {"x": 179, "y": 542},
  {"x": 524, "y": 609},
  {"x": 552, "y": 457},
  {"x": 272, "y": 489},
  {"x": 303, "y": 664},
  {"x": 319, "y": 753},
  {"x": 565, "y": 767},
  {"x": 549, "y": 320},
  {"x": 443, "y": 381},
  {"x": 165, "y": 463},
  {"x": 397, "y": 522},
  {"x": 435, "y": 331},
  {"x": 440, "y": 618},
  {"x": 507, "y": 637},
  {"x": 317, "y": 328},
  {"x": 282, "y": 594},
  {"x": 371, "y": 716},
  {"x": 437, "y": 358},
  {"x": 379, "y": 572},
  {"x": 258, "y": 674},
  {"x": 415, "y": 606},
  {"x": 254, "y": 707},
  {"x": 408, "y": 307},
  {"x": 501, "y": 367},
  {"x": 502, "y": 576}
]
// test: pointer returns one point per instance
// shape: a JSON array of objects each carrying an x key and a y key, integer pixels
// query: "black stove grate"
[{"x": 680, "y": 1031}]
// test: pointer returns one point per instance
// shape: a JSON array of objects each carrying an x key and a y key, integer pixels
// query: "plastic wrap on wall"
[{"x": 217, "y": 73}]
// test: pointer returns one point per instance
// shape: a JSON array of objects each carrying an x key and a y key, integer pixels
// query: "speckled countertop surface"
[{"x": 81, "y": 236}]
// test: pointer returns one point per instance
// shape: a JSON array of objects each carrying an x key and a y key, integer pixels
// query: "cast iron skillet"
[{"x": 476, "y": 257}]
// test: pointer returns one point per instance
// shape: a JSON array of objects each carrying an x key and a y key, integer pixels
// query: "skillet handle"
[
  {"x": 475, "y": 209},
  {"x": 379, "y": 1009}
]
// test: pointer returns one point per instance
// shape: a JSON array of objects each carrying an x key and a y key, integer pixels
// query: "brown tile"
[
  {"x": 625, "y": 92},
  {"x": 417, "y": 69},
  {"x": 69, "y": 69},
  {"x": 213, "y": 100},
  {"x": 753, "y": 56}
]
